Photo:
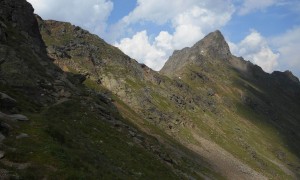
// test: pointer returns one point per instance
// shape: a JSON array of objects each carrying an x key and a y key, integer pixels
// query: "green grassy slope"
[{"x": 210, "y": 99}]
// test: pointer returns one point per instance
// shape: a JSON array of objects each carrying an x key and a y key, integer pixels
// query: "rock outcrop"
[{"x": 211, "y": 47}]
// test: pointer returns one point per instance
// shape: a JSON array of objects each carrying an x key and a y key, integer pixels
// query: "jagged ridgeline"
[{"x": 74, "y": 107}]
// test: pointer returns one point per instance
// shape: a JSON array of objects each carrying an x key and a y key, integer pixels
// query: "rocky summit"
[
  {"x": 211, "y": 47},
  {"x": 74, "y": 107}
]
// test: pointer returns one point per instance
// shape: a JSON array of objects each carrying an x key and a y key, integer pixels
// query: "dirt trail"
[{"x": 224, "y": 162}]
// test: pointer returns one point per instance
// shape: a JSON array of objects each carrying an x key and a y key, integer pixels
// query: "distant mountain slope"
[
  {"x": 226, "y": 111},
  {"x": 269, "y": 101}
]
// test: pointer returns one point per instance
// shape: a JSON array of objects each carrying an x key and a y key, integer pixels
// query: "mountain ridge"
[
  {"x": 218, "y": 46},
  {"x": 101, "y": 114},
  {"x": 212, "y": 45},
  {"x": 187, "y": 91}
]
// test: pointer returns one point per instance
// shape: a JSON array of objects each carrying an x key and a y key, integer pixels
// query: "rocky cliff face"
[
  {"x": 24, "y": 62},
  {"x": 211, "y": 47},
  {"x": 19, "y": 14}
]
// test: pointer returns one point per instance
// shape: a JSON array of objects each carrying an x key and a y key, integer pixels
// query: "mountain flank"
[
  {"x": 53, "y": 126},
  {"x": 74, "y": 107},
  {"x": 203, "y": 91}
]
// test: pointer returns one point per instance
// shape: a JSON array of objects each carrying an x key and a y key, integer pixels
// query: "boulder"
[
  {"x": 2, "y": 137},
  {"x": 2, "y": 154},
  {"x": 3, "y": 34},
  {"x": 76, "y": 78},
  {"x": 6, "y": 102},
  {"x": 5, "y": 128},
  {"x": 64, "y": 93},
  {"x": 13, "y": 117},
  {"x": 22, "y": 135},
  {"x": 18, "y": 117},
  {"x": 210, "y": 92}
]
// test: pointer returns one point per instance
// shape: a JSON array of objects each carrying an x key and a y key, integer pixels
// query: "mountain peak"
[
  {"x": 214, "y": 45},
  {"x": 286, "y": 76},
  {"x": 216, "y": 33}
]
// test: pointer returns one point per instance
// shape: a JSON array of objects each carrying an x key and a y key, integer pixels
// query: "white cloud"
[
  {"x": 190, "y": 19},
  {"x": 91, "y": 14},
  {"x": 138, "y": 47},
  {"x": 164, "y": 41},
  {"x": 157, "y": 11},
  {"x": 162, "y": 11},
  {"x": 288, "y": 45},
  {"x": 255, "y": 48},
  {"x": 253, "y": 5}
]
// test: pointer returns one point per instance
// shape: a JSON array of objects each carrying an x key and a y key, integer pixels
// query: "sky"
[{"x": 265, "y": 32}]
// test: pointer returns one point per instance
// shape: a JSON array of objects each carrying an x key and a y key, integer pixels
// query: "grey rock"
[
  {"x": 19, "y": 117},
  {"x": 2, "y": 154},
  {"x": 3, "y": 34},
  {"x": 213, "y": 46},
  {"x": 22, "y": 135},
  {"x": 20, "y": 13},
  {"x": 211, "y": 92},
  {"x": 5, "y": 128},
  {"x": 4, "y": 174},
  {"x": 19, "y": 70},
  {"x": 59, "y": 83},
  {"x": 6, "y": 101},
  {"x": 136, "y": 140},
  {"x": 3, "y": 116},
  {"x": 2, "y": 137},
  {"x": 76, "y": 78},
  {"x": 64, "y": 93},
  {"x": 133, "y": 134}
]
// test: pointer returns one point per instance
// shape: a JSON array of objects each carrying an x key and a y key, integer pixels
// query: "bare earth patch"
[{"x": 224, "y": 162}]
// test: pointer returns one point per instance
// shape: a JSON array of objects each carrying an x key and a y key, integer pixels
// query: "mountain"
[
  {"x": 213, "y": 46},
  {"x": 53, "y": 127},
  {"x": 203, "y": 95},
  {"x": 73, "y": 107}
]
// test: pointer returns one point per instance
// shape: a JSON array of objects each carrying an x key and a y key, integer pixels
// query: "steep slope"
[
  {"x": 205, "y": 99},
  {"x": 267, "y": 103},
  {"x": 54, "y": 127},
  {"x": 141, "y": 95}
]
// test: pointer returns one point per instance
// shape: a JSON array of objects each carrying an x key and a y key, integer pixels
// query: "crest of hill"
[{"x": 211, "y": 47}]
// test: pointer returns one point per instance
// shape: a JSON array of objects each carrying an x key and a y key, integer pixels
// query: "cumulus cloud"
[
  {"x": 156, "y": 10},
  {"x": 190, "y": 20},
  {"x": 255, "y": 48},
  {"x": 288, "y": 45},
  {"x": 253, "y": 5},
  {"x": 139, "y": 47},
  {"x": 91, "y": 14}
]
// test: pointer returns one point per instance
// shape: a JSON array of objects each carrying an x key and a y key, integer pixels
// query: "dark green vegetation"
[
  {"x": 69, "y": 141},
  {"x": 102, "y": 115}
]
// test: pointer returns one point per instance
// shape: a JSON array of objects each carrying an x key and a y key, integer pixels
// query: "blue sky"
[{"x": 266, "y": 32}]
